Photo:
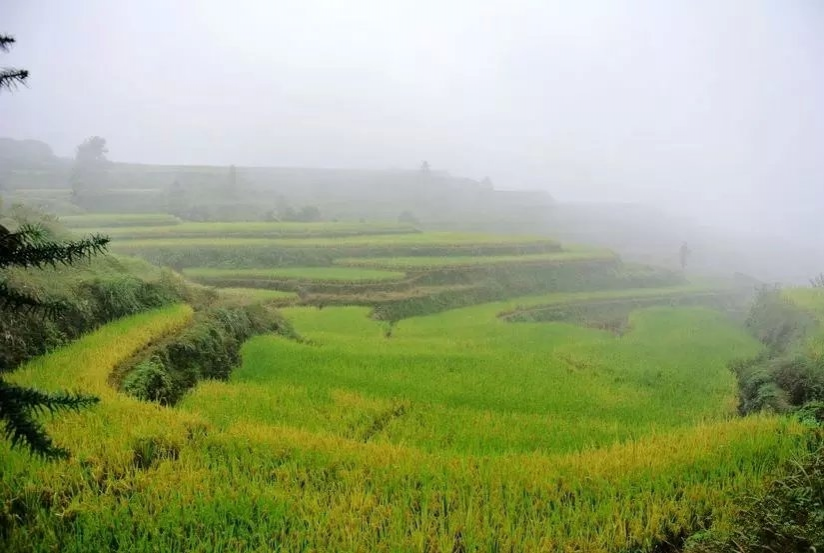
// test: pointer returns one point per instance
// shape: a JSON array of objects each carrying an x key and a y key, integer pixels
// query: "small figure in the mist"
[{"x": 684, "y": 254}]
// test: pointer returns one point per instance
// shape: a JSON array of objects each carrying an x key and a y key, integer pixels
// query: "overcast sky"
[{"x": 710, "y": 107}]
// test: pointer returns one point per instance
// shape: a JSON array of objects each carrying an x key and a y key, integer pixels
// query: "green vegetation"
[{"x": 345, "y": 274}]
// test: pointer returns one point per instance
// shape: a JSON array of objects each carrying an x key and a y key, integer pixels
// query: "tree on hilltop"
[
  {"x": 90, "y": 168},
  {"x": 408, "y": 218},
  {"x": 30, "y": 246}
]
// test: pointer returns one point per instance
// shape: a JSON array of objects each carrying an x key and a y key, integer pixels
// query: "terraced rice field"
[
  {"x": 259, "y": 294},
  {"x": 412, "y": 413},
  {"x": 418, "y": 263},
  {"x": 456, "y": 431},
  {"x": 265, "y": 250},
  {"x": 320, "y": 274},
  {"x": 142, "y": 230},
  {"x": 110, "y": 223},
  {"x": 446, "y": 239}
]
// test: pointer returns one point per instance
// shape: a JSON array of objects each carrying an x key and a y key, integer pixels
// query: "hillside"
[{"x": 433, "y": 200}]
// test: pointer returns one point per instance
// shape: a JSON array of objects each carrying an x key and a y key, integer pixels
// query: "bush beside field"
[{"x": 208, "y": 348}]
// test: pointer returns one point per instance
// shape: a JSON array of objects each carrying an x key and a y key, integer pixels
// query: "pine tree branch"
[
  {"x": 33, "y": 233},
  {"x": 11, "y": 78},
  {"x": 18, "y": 408},
  {"x": 6, "y": 42},
  {"x": 17, "y": 251}
]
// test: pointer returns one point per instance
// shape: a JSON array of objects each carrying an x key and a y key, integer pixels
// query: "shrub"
[
  {"x": 776, "y": 321},
  {"x": 149, "y": 381},
  {"x": 784, "y": 377},
  {"x": 209, "y": 348}
]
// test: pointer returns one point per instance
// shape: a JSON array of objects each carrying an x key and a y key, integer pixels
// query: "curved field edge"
[{"x": 148, "y": 478}]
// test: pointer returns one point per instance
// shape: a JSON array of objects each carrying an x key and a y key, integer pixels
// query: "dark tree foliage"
[{"x": 30, "y": 247}]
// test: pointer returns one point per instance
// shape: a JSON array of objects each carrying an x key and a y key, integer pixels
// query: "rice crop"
[{"x": 452, "y": 432}]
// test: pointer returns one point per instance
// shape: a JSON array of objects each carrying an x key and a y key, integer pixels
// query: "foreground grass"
[
  {"x": 225, "y": 472},
  {"x": 336, "y": 274}
]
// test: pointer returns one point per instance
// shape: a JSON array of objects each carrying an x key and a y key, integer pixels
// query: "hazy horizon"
[{"x": 707, "y": 109}]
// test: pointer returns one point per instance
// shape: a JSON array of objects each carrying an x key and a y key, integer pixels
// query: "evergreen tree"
[
  {"x": 30, "y": 247},
  {"x": 19, "y": 406}
]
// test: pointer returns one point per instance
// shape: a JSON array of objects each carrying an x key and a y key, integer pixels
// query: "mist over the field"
[{"x": 709, "y": 110}]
